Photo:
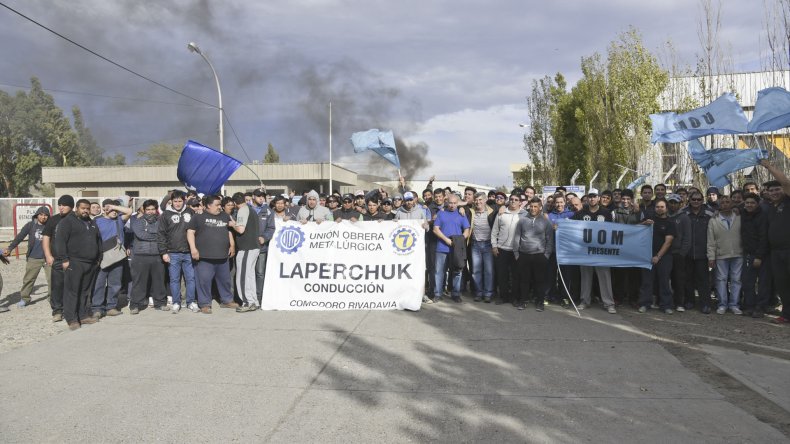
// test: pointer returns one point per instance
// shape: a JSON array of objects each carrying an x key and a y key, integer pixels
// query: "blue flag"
[
  {"x": 204, "y": 169},
  {"x": 604, "y": 244},
  {"x": 382, "y": 142},
  {"x": 722, "y": 116},
  {"x": 718, "y": 163},
  {"x": 638, "y": 181},
  {"x": 771, "y": 111}
]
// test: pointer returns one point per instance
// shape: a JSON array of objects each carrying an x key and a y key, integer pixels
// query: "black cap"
[
  {"x": 349, "y": 197},
  {"x": 193, "y": 202},
  {"x": 66, "y": 200}
]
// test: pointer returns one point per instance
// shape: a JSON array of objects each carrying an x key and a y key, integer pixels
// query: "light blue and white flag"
[
  {"x": 604, "y": 244},
  {"x": 722, "y": 116},
  {"x": 771, "y": 111},
  {"x": 381, "y": 142},
  {"x": 719, "y": 162}
]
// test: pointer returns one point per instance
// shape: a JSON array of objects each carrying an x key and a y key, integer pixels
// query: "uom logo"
[{"x": 290, "y": 239}]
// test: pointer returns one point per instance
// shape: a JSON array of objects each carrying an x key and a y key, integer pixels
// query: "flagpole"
[{"x": 330, "y": 149}]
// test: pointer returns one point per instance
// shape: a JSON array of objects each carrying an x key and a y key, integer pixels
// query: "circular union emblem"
[
  {"x": 403, "y": 240},
  {"x": 290, "y": 239}
]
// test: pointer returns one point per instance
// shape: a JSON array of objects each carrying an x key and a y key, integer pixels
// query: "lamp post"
[
  {"x": 193, "y": 47},
  {"x": 531, "y": 165}
]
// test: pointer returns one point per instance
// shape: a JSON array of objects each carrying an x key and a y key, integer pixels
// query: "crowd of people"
[{"x": 495, "y": 247}]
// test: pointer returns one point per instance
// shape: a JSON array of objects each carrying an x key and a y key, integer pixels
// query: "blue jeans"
[
  {"x": 728, "y": 268},
  {"x": 181, "y": 262},
  {"x": 441, "y": 263},
  {"x": 107, "y": 287},
  {"x": 213, "y": 270},
  {"x": 483, "y": 268}
]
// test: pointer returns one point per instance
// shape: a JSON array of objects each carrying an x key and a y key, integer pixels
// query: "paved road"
[{"x": 450, "y": 373}]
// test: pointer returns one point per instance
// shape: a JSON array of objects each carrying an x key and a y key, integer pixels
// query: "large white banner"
[{"x": 345, "y": 266}]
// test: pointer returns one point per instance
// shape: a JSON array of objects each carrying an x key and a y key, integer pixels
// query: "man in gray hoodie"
[
  {"x": 535, "y": 236},
  {"x": 504, "y": 244}
]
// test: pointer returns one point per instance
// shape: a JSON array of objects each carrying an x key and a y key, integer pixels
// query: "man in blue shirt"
[{"x": 452, "y": 230}]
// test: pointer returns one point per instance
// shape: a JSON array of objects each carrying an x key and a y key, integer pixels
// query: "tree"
[
  {"x": 271, "y": 155},
  {"x": 160, "y": 154},
  {"x": 34, "y": 132},
  {"x": 538, "y": 142},
  {"x": 94, "y": 154}
]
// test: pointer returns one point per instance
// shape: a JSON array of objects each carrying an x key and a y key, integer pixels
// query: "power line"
[
  {"x": 102, "y": 57},
  {"x": 153, "y": 141},
  {"x": 233, "y": 130},
  {"x": 109, "y": 97}
]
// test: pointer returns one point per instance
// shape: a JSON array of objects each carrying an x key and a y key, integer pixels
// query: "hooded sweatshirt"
[
  {"x": 535, "y": 235},
  {"x": 34, "y": 230},
  {"x": 503, "y": 232}
]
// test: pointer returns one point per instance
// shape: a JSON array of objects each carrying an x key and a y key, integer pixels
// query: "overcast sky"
[{"x": 451, "y": 74}]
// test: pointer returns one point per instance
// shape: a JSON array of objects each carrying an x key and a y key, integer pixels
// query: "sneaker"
[
  {"x": 581, "y": 306},
  {"x": 230, "y": 304},
  {"x": 205, "y": 310},
  {"x": 487, "y": 300},
  {"x": 91, "y": 320},
  {"x": 736, "y": 311},
  {"x": 427, "y": 300},
  {"x": 781, "y": 320},
  {"x": 478, "y": 299},
  {"x": 521, "y": 306},
  {"x": 162, "y": 308},
  {"x": 114, "y": 312},
  {"x": 758, "y": 313},
  {"x": 680, "y": 309},
  {"x": 457, "y": 299},
  {"x": 4, "y": 309},
  {"x": 246, "y": 308},
  {"x": 98, "y": 315},
  {"x": 175, "y": 308},
  {"x": 150, "y": 302},
  {"x": 74, "y": 326},
  {"x": 21, "y": 304},
  {"x": 254, "y": 307},
  {"x": 654, "y": 306},
  {"x": 721, "y": 310},
  {"x": 668, "y": 311},
  {"x": 539, "y": 308},
  {"x": 642, "y": 309},
  {"x": 134, "y": 311},
  {"x": 193, "y": 307},
  {"x": 612, "y": 310},
  {"x": 57, "y": 317}
]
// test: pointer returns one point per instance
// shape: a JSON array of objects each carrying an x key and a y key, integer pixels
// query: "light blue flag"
[
  {"x": 718, "y": 163},
  {"x": 382, "y": 142},
  {"x": 638, "y": 181},
  {"x": 604, "y": 244},
  {"x": 204, "y": 169},
  {"x": 771, "y": 111},
  {"x": 722, "y": 116}
]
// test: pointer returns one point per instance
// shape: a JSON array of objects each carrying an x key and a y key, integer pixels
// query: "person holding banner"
[
  {"x": 452, "y": 230},
  {"x": 312, "y": 212},
  {"x": 535, "y": 236},
  {"x": 347, "y": 210},
  {"x": 595, "y": 212},
  {"x": 663, "y": 232},
  {"x": 627, "y": 279}
]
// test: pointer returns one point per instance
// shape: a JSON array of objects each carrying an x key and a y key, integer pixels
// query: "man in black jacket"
[
  {"x": 77, "y": 244},
  {"x": 756, "y": 266},
  {"x": 174, "y": 249},
  {"x": 65, "y": 205}
]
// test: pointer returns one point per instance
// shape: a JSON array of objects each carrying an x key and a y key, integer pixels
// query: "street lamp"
[{"x": 193, "y": 47}]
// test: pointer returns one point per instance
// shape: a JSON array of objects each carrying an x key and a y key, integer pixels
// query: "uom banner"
[
  {"x": 345, "y": 266},
  {"x": 604, "y": 244}
]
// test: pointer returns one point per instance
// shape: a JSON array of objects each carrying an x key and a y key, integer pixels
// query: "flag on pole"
[
  {"x": 204, "y": 169},
  {"x": 638, "y": 181},
  {"x": 718, "y": 163},
  {"x": 722, "y": 116},
  {"x": 381, "y": 142}
]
